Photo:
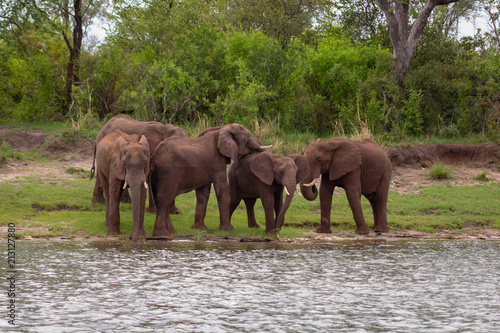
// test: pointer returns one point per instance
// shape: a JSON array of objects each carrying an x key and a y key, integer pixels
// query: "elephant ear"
[
  {"x": 346, "y": 157},
  {"x": 117, "y": 166},
  {"x": 262, "y": 167},
  {"x": 302, "y": 166},
  {"x": 226, "y": 143}
]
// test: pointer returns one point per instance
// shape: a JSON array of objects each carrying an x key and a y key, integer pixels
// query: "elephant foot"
[
  {"x": 380, "y": 229},
  {"x": 362, "y": 231},
  {"x": 142, "y": 233},
  {"x": 151, "y": 209},
  {"x": 324, "y": 230},
  {"x": 199, "y": 226},
  {"x": 157, "y": 232},
  {"x": 113, "y": 231},
  {"x": 253, "y": 225},
  {"x": 226, "y": 227},
  {"x": 271, "y": 231}
]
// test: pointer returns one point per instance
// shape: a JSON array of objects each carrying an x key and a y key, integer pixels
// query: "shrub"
[
  {"x": 483, "y": 176},
  {"x": 439, "y": 171}
]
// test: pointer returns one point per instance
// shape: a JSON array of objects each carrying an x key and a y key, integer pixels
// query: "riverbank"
[{"x": 48, "y": 197}]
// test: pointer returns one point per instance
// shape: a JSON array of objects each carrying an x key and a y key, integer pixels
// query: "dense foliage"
[{"x": 311, "y": 65}]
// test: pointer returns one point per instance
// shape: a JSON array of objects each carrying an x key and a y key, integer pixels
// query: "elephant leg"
[
  {"x": 354, "y": 198},
  {"x": 234, "y": 202},
  {"x": 98, "y": 194},
  {"x": 113, "y": 207},
  {"x": 202, "y": 196},
  {"x": 379, "y": 208},
  {"x": 163, "y": 225},
  {"x": 151, "y": 206},
  {"x": 268, "y": 203},
  {"x": 222, "y": 192},
  {"x": 174, "y": 209},
  {"x": 278, "y": 203},
  {"x": 250, "y": 205},
  {"x": 325, "y": 199}
]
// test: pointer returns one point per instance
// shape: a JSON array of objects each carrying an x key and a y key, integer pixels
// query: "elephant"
[
  {"x": 154, "y": 131},
  {"x": 182, "y": 165},
  {"x": 360, "y": 168},
  {"x": 123, "y": 161},
  {"x": 264, "y": 175}
]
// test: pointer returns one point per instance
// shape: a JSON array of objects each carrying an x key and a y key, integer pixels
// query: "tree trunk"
[
  {"x": 404, "y": 43},
  {"x": 74, "y": 49}
]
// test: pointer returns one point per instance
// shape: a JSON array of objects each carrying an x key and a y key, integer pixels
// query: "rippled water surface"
[{"x": 388, "y": 286}]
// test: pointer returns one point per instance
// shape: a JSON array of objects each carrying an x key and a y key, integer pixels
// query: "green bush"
[{"x": 439, "y": 171}]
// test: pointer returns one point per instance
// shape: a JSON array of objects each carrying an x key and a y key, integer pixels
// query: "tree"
[
  {"x": 404, "y": 40},
  {"x": 68, "y": 18},
  {"x": 493, "y": 11},
  {"x": 281, "y": 19}
]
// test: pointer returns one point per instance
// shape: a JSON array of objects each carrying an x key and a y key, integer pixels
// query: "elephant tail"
[{"x": 92, "y": 170}]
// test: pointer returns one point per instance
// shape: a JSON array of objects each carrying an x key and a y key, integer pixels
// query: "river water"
[{"x": 350, "y": 286}]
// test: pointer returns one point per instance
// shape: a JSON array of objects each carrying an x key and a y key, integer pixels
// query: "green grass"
[{"x": 54, "y": 207}]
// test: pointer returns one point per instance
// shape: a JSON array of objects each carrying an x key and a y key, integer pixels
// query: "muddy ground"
[{"x": 409, "y": 170}]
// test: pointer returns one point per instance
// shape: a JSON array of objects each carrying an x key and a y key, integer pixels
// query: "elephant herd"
[{"x": 161, "y": 159}]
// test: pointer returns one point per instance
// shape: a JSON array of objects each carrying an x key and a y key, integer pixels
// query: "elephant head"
[
  {"x": 333, "y": 158},
  {"x": 285, "y": 170},
  {"x": 235, "y": 141},
  {"x": 130, "y": 162},
  {"x": 155, "y": 132}
]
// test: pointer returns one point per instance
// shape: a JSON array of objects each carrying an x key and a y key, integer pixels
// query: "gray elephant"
[
  {"x": 182, "y": 165},
  {"x": 154, "y": 131},
  {"x": 123, "y": 161},
  {"x": 265, "y": 175},
  {"x": 361, "y": 168}
]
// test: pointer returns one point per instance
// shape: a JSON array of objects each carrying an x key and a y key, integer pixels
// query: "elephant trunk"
[
  {"x": 138, "y": 196},
  {"x": 309, "y": 192},
  {"x": 290, "y": 191}
]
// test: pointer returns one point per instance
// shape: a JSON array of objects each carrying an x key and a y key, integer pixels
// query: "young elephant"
[
  {"x": 182, "y": 165},
  {"x": 265, "y": 176},
  {"x": 360, "y": 168},
  {"x": 123, "y": 161}
]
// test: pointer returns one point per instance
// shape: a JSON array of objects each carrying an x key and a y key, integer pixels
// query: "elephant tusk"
[
  {"x": 298, "y": 192},
  {"x": 265, "y": 147},
  {"x": 311, "y": 183},
  {"x": 125, "y": 185},
  {"x": 145, "y": 185},
  {"x": 286, "y": 191}
]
